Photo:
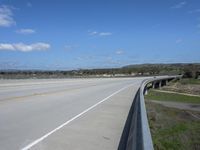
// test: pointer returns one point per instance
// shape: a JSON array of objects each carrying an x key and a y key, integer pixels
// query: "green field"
[
  {"x": 161, "y": 96},
  {"x": 173, "y": 129}
]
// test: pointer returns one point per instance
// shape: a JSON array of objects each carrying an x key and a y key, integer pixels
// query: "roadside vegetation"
[
  {"x": 185, "y": 85},
  {"x": 186, "y": 81},
  {"x": 188, "y": 70},
  {"x": 161, "y": 96},
  {"x": 174, "y": 127}
]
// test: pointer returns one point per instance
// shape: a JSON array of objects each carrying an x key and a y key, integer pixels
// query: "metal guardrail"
[{"x": 136, "y": 134}]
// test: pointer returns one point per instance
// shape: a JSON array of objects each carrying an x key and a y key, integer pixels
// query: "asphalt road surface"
[{"x": 74, "y": 114}]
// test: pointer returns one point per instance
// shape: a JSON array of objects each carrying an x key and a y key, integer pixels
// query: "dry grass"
[{"x": 190, "y": 86}]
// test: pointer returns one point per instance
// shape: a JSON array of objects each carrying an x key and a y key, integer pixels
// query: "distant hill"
[
  {"x": 173, "y": 65},
  {"x": 188, "y": 69}
]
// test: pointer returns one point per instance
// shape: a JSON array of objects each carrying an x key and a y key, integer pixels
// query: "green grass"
[
  {"x": 173, "y": 129},
  {"x": 190, "y": 81},
  {"x": 171, "y": 137},
  {"x": 161, "y": 96}
]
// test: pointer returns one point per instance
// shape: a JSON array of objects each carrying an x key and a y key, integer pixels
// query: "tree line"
[{"x": 188, "y": 71}]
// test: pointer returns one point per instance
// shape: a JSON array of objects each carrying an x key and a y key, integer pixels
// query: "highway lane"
[
  {"x": 31, "y": 109},
  {"x": 30, "y": 88}
]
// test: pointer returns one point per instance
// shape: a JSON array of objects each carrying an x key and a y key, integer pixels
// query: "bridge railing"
[{"x": 136, "y": 134}]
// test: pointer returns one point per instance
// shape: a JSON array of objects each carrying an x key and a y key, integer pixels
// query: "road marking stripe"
[{"x": 67, "y": 122}]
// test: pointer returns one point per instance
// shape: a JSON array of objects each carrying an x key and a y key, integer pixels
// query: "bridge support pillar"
[
  {"x": 153, "y": 85},
  {"x": 145, "y": 91},
  {"x": 167, "y": 82},
  {"x": 160, "y": 84}
]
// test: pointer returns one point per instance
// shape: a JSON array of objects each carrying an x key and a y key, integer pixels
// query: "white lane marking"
[{"x": 67, "y": 122}]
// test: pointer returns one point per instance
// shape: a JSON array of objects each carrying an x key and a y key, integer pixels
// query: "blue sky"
[{"x": 73, "y": 34}]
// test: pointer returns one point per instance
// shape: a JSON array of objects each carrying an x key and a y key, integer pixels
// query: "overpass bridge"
[{"x": 76, "y": 114}]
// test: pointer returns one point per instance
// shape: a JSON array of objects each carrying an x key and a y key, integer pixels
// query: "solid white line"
[{"x": 67, "y": 122}]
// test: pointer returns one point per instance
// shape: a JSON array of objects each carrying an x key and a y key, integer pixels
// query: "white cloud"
[
  {"x": 119, "y": 52},
  {"x": 105, "y": 33},
  {"x": 179, "y": 5},
  {"x": 6, "y": 19},
  {"x": 5, "y": 46},
  {"x": 194, "y": 11},
  {"x": 24, "y": 47},
  {"x": 25, "y": 31},
  {"x": 95, "y": 33}
]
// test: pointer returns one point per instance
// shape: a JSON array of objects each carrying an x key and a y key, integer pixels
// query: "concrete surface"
[{"x": 30, "y": 109}]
